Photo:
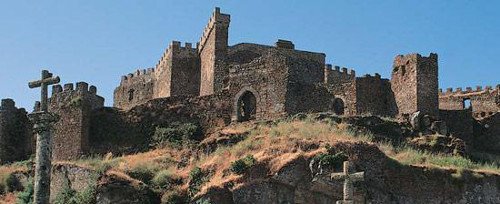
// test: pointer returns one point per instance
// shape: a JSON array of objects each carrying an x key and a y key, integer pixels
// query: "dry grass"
[{"x": 275, "y": 146}]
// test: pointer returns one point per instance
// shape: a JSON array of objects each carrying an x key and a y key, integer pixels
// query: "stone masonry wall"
[
  {"x": 484, "y": 103},
  {"x": 342, "y": 84},
  {"x": 185, "y": 79},
  {"x": 414, "y": 84},
  {"x": 306, "y": 75},
  {"x": 374, "y": 96},
  {"x": 16, "y": 138},
  {"x": 74, "y": 107},
  {"x": 213, "y": 49},
  {"x": 134, "y": 89},
  {"x": 460, "y": 123},
  {"x": 130, "y": 131},
  {"x": 260, "y": 70}
]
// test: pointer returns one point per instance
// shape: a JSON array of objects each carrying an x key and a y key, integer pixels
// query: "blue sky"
[{"x": 98, "y": 41}]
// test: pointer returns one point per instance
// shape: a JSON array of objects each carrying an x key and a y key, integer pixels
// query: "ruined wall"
[
  {"x": 74, "y": 107},
  {"x": 484, "y": 103},
  {"x": 342, "y": 84},
  {"x": 487, "y": 134},
  {"x": 414, "y": 83},
  {"x": 260, "y": 70},
  {"x": 134, "y": 89},
  {"x": 16, "y": 138},
  {"x": 460, "y": 124},
  {"x": 212, "y": 49},
  {"x": 130, "y": 131},
  {"x": 374, "y": 96},
  {"x": 306, "y": 75}
]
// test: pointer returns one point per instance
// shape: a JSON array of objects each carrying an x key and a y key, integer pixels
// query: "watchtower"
[
  {"x": 74, "y": 107},
  {"x": 415, "y": 84}
]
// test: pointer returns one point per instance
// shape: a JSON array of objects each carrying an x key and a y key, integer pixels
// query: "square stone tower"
[
  {"x": 415, "y": 84},
  {"x": 74, "y": 107},
  {"x": 212, "y": 49}
]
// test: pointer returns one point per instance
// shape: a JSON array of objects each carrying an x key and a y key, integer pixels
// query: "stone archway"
[
  {"x": 246, "y": 105},
  {"x": 338, "y": 106}
]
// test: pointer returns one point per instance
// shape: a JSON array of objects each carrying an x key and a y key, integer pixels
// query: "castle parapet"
[
  {"x": 335, "y": 74},
  {"x": 7, "y": 104},
  {"x": 468, "y": 91}
]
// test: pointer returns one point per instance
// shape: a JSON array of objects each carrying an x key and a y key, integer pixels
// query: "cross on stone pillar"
[
  {"x": 42, "y": 122},
  {"x": 349, "y": 179}
]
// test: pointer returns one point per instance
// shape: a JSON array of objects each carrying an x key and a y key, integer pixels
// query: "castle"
[{"x": 216, "y": 84}]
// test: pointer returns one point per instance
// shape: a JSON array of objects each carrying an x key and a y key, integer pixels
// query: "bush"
[
  {"x": 165, "y": 180},
  {"x": 240, "y": 166},
  {"x": 196, "y": 179},
  {"x": 174, "y": 197},
  {"x": 143, "y": 173},
  {"x": 26, "y": 197},
  {"x": 176, "y": 135},
  {"x": 332, "y": 160},
  {"x": 70, "y": 196}
]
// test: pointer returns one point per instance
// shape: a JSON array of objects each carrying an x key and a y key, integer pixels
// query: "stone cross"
[
  {"x": 349, "y": 178},
  {"x": 42, "y": 122}
]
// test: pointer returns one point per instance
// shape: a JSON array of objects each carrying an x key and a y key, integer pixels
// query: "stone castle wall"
[
  {"x": 305, "y": 82},
  {"x": 119, "y": 132},
  {"x": 263, "y": 75},
  {"x": 135, "y": 88},
  {"x": 374, "y": 96},
  {"x": 484, "y": 103},
  {"x": 74, "y": 106},
  {"x": 16, "y": 138},
  {"x": 342, "y": 84}
]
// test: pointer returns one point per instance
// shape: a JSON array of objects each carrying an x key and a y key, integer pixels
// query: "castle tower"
[
  {"x": 74, "y": 107},
  {"x": 16, "y": 138},
  {"x": 212, "y": 49},
  {"x": 178, "y": 71},
  {"x": 415, "y": 84}
]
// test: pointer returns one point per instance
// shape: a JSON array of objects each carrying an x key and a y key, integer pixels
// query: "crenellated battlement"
[
  {"x": 468, "y": 90},
  {"x": 376, "y": 76},
  {"x": 81, "y": 87},
  {"x": 7, "y": 104},
  {"x": 336, "y": 71},
  {"x": 216, "y": 18},
  {"x": 138, "y": 73},
  {"x": 68, "y": 93}
]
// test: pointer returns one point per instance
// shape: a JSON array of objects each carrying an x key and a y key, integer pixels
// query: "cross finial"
[
  {"x": 349, "y": 179},
  {"x": 46, "y": 80}
]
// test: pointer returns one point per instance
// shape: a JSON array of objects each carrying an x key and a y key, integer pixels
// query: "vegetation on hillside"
[{"x": 180, "y": 168}]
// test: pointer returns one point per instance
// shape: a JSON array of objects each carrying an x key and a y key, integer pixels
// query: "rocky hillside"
[{"x": 285, "y": 161}]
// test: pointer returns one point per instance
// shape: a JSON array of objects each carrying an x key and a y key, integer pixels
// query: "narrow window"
[{"x": 131, "y": 95}]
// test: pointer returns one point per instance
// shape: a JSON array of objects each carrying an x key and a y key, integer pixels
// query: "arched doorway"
[
  {"x": 246, "y": 107},
  {"x": 338, "y": 106}
]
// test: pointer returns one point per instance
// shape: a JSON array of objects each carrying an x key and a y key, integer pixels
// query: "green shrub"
[
  {"x": 174, "y": 197},
  {"x": 65, "y": 195},
  {"x": 240, "y": 166},
  {"x": 26, "y": 196},
  {"x": 144, "y": 173},
  {"x": 176, "y": 134},
  {"x": 196, "y": 179},
  {"x": 165, "y": 180},
  {"x": 332, "y": 160}
]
